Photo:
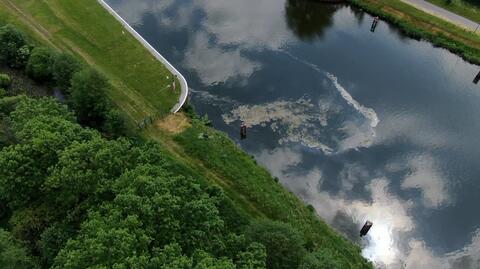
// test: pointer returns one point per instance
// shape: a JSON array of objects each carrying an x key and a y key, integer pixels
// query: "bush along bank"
[
  {"x": 83, "y": 87},
  {"x": 466, "y": 45}
]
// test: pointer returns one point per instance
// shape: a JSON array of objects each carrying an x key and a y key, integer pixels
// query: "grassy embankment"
[
  {"x": 85, "y": 29},
  {"x": 421, "y": 25},
  {"x": 140, "y": 81},
  {"x": 460, "y": 7}
]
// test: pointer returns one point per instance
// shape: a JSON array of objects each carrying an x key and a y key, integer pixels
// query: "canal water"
[{"x": 361, "y": 125}]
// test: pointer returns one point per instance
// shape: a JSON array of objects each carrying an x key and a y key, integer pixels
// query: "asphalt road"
[{"x": 444, "y": 14}]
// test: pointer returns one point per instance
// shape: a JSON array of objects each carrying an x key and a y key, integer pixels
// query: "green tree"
[
  {"x": 27, "y": 224},
  {"x": 9, "y": 103},
  {"x": 321, "y": 259},
  {"x": 284, "y": 244},
  {"x": 114, "y": 125},
  {"x": 6, "y": 135},
  {"x": 88, "y": 97},
  {"x": 170, "y": 257},
  {"x": 23, "y": 109},
  {"x": 108, "y": 240},
  {"x": 179, "y": 209},
  {"x": 21, "y": 175},
  {"x": 255, "y": 257},
  {"x": 204, "y": 260},
  {"x": 100, "y": 162},
  {"x": 43, "y": 130},
  {"x": 151, "y": 209},
  {"x": 63, "y": 69},
  {"x": 13, "y": 255},
  {"x": 25, "y": 167},
  {"x": 5, "y": 81},
  {"x": 22, "y": 56},
  {"x": 39, "y": 66},
  {"x": 11, "y": 40},
  {"x": 55, "y": 131},
  {"x": 53, "y": 239}
]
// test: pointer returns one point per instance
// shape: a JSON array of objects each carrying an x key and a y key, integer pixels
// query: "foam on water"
[{"x": 367, "y": 112}]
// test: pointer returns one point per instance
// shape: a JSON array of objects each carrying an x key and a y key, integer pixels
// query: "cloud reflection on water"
[
  {"x": 390, "y": 243},
  {"x": 215, "y": 65},
  {"x": 425, "y": 176},
  {"x": 227, "y": 23},
  {"x": 216, "y": 53}
]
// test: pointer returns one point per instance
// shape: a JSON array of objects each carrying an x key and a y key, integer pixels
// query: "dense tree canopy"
[
  {"x": 12, "y": 254},
  {"x": 79, "y": 200},
  {"x": 321, "y": 259},
  {"x": 285, "y": 245},
  {"x": 44, "y": 128}
]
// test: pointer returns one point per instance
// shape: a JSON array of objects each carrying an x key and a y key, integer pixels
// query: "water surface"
[{"x": 361, "y": 125}]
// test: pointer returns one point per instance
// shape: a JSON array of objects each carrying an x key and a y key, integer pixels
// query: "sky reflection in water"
[{"x": 360, "y": 125}]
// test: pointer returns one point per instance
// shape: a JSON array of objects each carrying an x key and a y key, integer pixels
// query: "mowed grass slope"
[{"x": 140, "y": 84}]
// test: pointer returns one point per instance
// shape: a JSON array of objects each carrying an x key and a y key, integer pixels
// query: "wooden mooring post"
[
  {"x": 477, "y": 78},
  {"x": 366, "y": 227},
  {"x": 243, "y": 131},
  {"x": 374, "y": 24}
]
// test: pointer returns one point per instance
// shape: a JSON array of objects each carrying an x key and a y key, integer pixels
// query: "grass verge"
[
  {"x": 418, "y": 24},
  {"x": 460, "y": 7}
]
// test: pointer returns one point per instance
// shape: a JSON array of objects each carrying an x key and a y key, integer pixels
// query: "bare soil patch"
[{"x": 174, "y": 123}]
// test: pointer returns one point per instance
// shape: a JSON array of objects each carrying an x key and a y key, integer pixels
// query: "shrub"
[
  {"x": 189, "y": 110},
  {"x": 88, "y": 97},
  {"x": 5, "y": 81},
  {"x": 311, "y": 208},
  {"x": 63, "y": 69},
  {"x": 284, "y": 244},
  {"x": 11, "y": 40},
  {"x": 114, "y": 123},
  {"x": 21, "y": 59},
  {"x": 39, "y": 66},
  {"x": 8, "y": 104},
  {"x": 321, "y": 259}
]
